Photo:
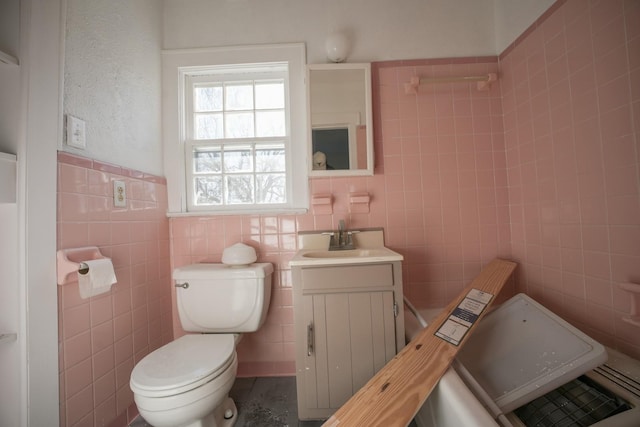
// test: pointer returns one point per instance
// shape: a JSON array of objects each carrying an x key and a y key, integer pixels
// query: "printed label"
[
  {"x": 480, "y": 296},
  {"x": 464, "y": 316},
  {"x": 452, "y": 331}
]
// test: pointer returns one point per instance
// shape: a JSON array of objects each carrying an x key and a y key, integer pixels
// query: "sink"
[
  {"x": 320, "y": 257},
  {"x": 369, "y": 244},
  {"x": 349, "y": 253}
]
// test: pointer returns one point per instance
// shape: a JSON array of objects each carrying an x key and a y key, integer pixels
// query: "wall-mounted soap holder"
[
  {"x": 322, "y": 204},
  {"x": 634, "y": 293},
  {"x": 359, "y": 202},
  {"x": 72, "y": 261}
]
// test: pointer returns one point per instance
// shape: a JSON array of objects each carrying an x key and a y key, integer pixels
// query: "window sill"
[{"x": 296, "y": 211}]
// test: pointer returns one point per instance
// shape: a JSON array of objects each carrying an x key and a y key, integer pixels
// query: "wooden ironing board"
[{"x": 395, "y": 394}]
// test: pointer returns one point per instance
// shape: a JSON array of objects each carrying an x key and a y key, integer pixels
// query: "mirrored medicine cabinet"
[{"x": 341, "y": 126}]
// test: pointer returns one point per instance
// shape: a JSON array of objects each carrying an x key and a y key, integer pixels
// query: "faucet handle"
[{"x": 332, "y": 238}]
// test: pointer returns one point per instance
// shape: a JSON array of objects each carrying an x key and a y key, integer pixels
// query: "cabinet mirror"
[{"x": 341, "y": 131}]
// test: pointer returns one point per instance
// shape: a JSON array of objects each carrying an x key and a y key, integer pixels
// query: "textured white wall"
[{"x": 112, "y": 79}]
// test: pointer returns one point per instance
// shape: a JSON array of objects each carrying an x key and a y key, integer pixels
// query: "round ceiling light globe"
[{"x": 337, "y": 47}]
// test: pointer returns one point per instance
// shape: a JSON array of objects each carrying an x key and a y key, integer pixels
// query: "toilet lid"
[{"x": 183, "y": 364}]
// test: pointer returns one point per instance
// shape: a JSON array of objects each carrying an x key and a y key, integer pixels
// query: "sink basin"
[
  {"x": 321, "y": 257},
  {"x": 369, "y": 244},
  {"x": 349, "y": 253}
]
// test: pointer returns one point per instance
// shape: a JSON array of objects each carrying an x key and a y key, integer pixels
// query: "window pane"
[
  {"x": 270, "y": 123},
  {"x": 208, "y": 190},
  {"x": 239, "y": 189},
  {"x": 269, "y": 95},
  {"x": 208, "y": 126},
  {"x": 238, "y": 159},
  {"x": 208, "y": 98},
  {"x": 271, "y": 188},
  {"x": 207, "y": 160},
  {"x": 239, "y": 125},
  {"x": 239, "y": 96},
  {"x": 238, "y": 138},
  {"x": 270, "y": 158}
]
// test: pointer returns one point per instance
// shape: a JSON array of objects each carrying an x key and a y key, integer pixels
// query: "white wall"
[
  {"x": 37, "y": 131},
  {"x": 9, "y": 76},
  {"x": 9, "y": 27},
  {"x": 379, "y": 29},
  {"x": 30, "y": 117},
  {"x": 512, "y": 17},
  {"x": 112, "y": 80},
  {"x": 10, "y": 351}
]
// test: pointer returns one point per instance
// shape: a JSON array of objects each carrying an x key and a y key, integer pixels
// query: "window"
[
  {"x": 242, "y": 135},
  {"x": 237, "y": 136}
]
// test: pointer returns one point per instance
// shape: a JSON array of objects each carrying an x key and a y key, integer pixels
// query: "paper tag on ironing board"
[{"x": 456, "y": 326}]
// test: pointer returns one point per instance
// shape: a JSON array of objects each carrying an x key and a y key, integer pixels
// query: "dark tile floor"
[
  {"x": 268, "y": 402},
  {"x": 264, "y": 402}
]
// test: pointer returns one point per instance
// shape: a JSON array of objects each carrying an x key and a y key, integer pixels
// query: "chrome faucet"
[{"x": 342, "y": 239}]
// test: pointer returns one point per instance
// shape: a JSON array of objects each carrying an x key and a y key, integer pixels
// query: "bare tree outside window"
[
  {"x": 238, "y": 153},
  {"x": 240, "y": 174}
]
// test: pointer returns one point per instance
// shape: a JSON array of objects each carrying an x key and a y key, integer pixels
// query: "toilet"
[{"x": 186, "y": 382}]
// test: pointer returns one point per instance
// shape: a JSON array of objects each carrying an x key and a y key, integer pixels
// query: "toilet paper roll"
[{"x": 98, "y": 279}]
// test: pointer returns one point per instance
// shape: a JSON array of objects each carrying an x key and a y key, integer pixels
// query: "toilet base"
[{"x": 218, "y": 415}]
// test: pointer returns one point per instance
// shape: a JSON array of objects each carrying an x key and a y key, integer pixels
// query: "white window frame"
[{"x": 176, "y": 66}]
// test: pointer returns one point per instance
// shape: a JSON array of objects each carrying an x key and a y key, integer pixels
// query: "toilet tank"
[{"x": 218, "y": 298}]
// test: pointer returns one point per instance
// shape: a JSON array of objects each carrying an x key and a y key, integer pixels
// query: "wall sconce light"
[{"x": 337, "y": 46}]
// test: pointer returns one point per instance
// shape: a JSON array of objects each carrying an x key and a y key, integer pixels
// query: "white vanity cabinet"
[{"x": 349, "y": 323}]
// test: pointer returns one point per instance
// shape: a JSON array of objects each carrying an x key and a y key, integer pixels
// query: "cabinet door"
[{"x": 350, "y": 336}]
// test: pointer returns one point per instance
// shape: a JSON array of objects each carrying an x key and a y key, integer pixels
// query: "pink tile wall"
[
  {"x": 101, "y": 338},
  {"x": 442, "y": 159},
  {"x": 571, "y": 100},
  {"x": 440, "y": 192},
  {"x": 202, "y": 239}
]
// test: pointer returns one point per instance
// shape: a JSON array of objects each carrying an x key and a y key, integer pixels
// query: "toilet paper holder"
[{"x": 72, "y": 261}]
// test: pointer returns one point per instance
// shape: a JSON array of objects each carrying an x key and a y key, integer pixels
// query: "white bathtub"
[
  {"x": 451, "y": 403},
  {"x": 519, "y": 352}
]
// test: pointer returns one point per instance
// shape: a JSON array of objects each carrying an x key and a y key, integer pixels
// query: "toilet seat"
[{"x": 183, "y": 365}]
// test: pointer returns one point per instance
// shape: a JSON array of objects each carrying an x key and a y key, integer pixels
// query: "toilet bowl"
[
  {"x": 180, "y": 383},
  {"x": 186, "y": 382}
]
